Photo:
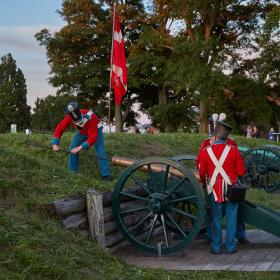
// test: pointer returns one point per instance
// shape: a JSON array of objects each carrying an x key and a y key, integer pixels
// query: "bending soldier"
[{"x": 88, "y": 133}]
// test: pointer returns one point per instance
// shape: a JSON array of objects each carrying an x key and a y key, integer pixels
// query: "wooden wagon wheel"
[
  {"x": 144, "y": 203},
  {"x": 263, "y": 167},
  {"x": 189, "y": 161}
]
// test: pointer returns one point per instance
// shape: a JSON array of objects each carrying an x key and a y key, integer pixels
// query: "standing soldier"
[
  {"x": 240, "y": 230},
  {"x": 220, "y": 164},
  {"x": 89, "y": 132}
]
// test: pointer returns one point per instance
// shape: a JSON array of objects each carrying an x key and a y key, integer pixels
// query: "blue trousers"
[
  {"x": 77, "y": 140},
  {"x": 217, "y": 209},
  {"x": 240, "y": 226}
]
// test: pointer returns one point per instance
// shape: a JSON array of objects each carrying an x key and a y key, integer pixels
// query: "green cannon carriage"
[{"x": 159, "y": 205}]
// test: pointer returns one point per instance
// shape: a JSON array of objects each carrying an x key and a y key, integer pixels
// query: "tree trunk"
[
  {"x": 162, "y": 97},
  {"x": 162, "y": 100},
  {"x": 203, "y": 116},
  {"x": 118, "y": 118}
]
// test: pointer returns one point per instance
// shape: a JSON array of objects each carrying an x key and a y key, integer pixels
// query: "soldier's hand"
[
  {"x": 76, "y": 150},
  {"x": 56, "y": 148}
]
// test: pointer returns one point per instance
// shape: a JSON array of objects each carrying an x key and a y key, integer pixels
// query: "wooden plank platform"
[{"x": 262, "y": 254}]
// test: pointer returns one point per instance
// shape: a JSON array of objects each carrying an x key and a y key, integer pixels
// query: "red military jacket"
[
  {"x": 90, "y": 129},
  {"x": 233, "y": 166},
  {"x": 208, "y": 142}
]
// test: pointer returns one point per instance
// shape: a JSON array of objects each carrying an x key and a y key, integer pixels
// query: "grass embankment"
[{"x": 34, "y": 246}]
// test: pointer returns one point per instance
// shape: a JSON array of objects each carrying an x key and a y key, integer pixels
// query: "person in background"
[
  {"x": 220, "y": 165},
  {"x": 255, "y": 132},
  {"x": 88, "y": 133},
  {"x": 271, "y": 135},
  {"x": 249, "y": 131},
  {"x": 240, "y": 231},
  {"x": 131, "y": 129}
]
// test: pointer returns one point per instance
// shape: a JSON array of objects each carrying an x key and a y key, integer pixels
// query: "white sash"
[
  {"x": 87, "y": 118},
  {"x": 218, "y": 169}
]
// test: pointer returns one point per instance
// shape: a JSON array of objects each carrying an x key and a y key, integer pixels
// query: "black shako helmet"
[
  {"x": 222, "y": 130},
  {"x": 73, "y": 110}
]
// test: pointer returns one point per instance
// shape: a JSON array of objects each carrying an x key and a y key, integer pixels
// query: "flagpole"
[{"x": 111, "y": 66}]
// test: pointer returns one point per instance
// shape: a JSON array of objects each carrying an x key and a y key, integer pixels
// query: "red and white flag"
[{"x": 118, "y": 67}]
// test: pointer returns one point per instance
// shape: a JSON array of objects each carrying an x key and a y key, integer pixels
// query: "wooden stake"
[{"x": 95, "y": 217}]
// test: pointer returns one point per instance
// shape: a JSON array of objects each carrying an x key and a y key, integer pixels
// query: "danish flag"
[{"x": 118, "y": 61}]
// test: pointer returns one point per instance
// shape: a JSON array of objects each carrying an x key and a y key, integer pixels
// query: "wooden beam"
[{"x": 68, "y": 206}]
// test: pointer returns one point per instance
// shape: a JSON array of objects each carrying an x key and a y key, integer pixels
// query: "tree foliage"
[
  {"x": 79, "y": 53},
  {"x": 193, "y": 57},
  {"x": 13, "y": 102},
  {"x": 49, "y": 111},
  {"x": 177, "y": 50},
  {"x": 269, "y": 61}
]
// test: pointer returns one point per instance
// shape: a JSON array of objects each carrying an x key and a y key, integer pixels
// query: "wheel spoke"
[
  {"x": 265, "y": 182},
  {"x": 177, "y": 186},
  {"x": 131, "y": 195},
  {"x": 275, "y": 164},
  {"x": 142, "y": 221},
  {"x": 164, "y": 230},
  {"x": 190, "y": 211},
  {"x": 176, "y": 225},
  {"x": 263, "y": 159},
  {"x": 152, "y": 229},
  {"x": 184, "y": 198},
  {"x": 133, "y": 210},
  {"x": 149, "y": 176},
  {"x": 165, "y": 178},
  {"x": 271, "y": 160},
  {"x": 183, "y": 213},
  {"x": 139, "y": 183}
]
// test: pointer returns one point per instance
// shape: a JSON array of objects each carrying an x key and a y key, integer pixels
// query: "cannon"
[
  {"x": 166, "y": 203},
  {"x": 165, "y": 199},
  {"x": 263, "y": 166},
  {"x": 159, "y": 206}
]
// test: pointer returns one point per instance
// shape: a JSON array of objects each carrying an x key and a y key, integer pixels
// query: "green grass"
[{"x": 35, "y": 246}]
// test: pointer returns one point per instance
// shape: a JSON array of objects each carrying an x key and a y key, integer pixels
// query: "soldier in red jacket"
[
  {"x": 240, "y": 230},
  {"x": 219, "y": 166},
  {"x": 89, "y": 133}
]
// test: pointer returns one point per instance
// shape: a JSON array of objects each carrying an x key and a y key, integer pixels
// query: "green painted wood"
[
  {"x": 260, "y": 216},
  {"x": 174, "y": 206}
]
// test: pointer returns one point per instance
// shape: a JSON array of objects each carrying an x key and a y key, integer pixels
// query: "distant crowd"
[{"x": 253, "y": 132}]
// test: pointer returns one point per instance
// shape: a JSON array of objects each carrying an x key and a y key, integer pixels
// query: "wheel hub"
[
  {"x": 158, "y": 202},
  {"x": 262, "y": 169}
]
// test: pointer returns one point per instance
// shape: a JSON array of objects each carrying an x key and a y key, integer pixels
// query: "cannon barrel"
[{"x": 155, "y": 167}]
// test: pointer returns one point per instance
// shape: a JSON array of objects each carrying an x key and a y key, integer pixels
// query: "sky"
[{"x": 20, "y": 20}]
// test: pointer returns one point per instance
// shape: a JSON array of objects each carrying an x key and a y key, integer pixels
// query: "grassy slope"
[{"x": 33, "y": 246}]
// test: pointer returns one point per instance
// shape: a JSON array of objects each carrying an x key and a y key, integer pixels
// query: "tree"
[
  {"x": 261, "y": 74},
  {"x": 213, "y": 31},
  {"x": 269, "y": 60},
  {"x": 245, "y": 102},
  {"x": 191, "y": 58},
  {"x": 49, "y": 111},
  {"x": 79, "y": 53},
  {"x": 13, "y": 101}
]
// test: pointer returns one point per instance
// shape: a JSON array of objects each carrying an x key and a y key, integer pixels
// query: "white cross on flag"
[{"x": 119, "y": 71}]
